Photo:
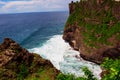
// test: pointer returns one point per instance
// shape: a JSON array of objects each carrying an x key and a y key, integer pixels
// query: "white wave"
[
  {"x": 52, "y": 50},
  {"x": 64, "y": 58}
]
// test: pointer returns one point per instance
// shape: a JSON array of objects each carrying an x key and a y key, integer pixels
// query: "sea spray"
[
  {"x": 53, "y": 50},
  {"x": 64, "y": 58}
]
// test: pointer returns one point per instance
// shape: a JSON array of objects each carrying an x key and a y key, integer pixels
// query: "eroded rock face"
[
  {"x": 74, "y": 37},
  {"x": 14, "y": 60},
  {"x": 84, "y": 13}
]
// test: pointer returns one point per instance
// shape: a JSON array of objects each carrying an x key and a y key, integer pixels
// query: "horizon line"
[{"x": 32, "y": 12}]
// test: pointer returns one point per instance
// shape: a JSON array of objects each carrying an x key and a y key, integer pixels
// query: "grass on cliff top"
[
  {"x": 95, "y": 22},
  {"x": 42, "y": 74}
]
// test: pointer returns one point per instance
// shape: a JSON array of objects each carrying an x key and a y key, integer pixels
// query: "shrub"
[
  {"x": 113, "y": 68},
  {"x": 88, "y": 76},
  {"x": 23, "y": 71}
]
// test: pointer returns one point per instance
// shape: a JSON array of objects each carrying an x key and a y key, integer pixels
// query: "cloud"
[
  {"x": 33, "y": 5},
  {"x": 1, "y": 2}
]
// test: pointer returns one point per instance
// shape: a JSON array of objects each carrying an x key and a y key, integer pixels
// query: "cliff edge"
[
  {"x": 93, "y": 28},
  {"x": 16, "y": 63}
]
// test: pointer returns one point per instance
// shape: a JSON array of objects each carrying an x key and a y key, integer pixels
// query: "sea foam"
[{"x": 64, "y": 58}]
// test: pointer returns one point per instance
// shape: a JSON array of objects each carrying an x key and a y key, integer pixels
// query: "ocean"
[
  {"x": 41, "y": 33},
  {"x": 32, "y": 29}
]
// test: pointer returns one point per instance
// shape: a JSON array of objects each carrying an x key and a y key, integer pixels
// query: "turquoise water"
[{"x": 41, "y": 33}]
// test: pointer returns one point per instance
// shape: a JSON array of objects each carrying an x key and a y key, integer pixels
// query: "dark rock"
[
  {"x": 6, "y": 43},
  {"x": 72, "y": 7},
  {"x": 102, "y": 74},
  {"x": 112, "y": 53}
]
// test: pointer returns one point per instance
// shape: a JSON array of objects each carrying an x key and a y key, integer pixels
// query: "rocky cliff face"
[
  {"x": 93, "y": 28},
  {"x": 16, "y": 63}
]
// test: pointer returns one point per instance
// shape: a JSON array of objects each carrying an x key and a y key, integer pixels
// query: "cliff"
[
  {"x": 93, "y": 28},
  {"x": 16, "y": 63}
]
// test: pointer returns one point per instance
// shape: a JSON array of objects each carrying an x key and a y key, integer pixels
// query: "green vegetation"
[
  {"x": 98, "y": 24},
  {"x": 43, "y": 73},
  {"x": 100, "y": 33},
  {"x": 16, "y": 63},
  {"x": 39, "y": 69},
  {"x": 23, "y": 72},
  {"x": 112, "y": 72},
  {"x": 112, "y": 69},
  {"x": 88, "y": 76}
]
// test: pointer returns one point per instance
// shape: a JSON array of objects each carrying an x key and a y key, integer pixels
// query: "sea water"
[
  {"x": 41, "y": 33},
  {"x": 64, "y": 58}
]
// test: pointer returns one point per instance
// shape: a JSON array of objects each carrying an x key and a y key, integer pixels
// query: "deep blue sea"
[
  {"x": 41, "y": 33},
  {"x": 32, "y": 29}
]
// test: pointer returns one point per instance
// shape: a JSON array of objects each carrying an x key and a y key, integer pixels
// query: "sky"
[{"x": 21, "y": 6}]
